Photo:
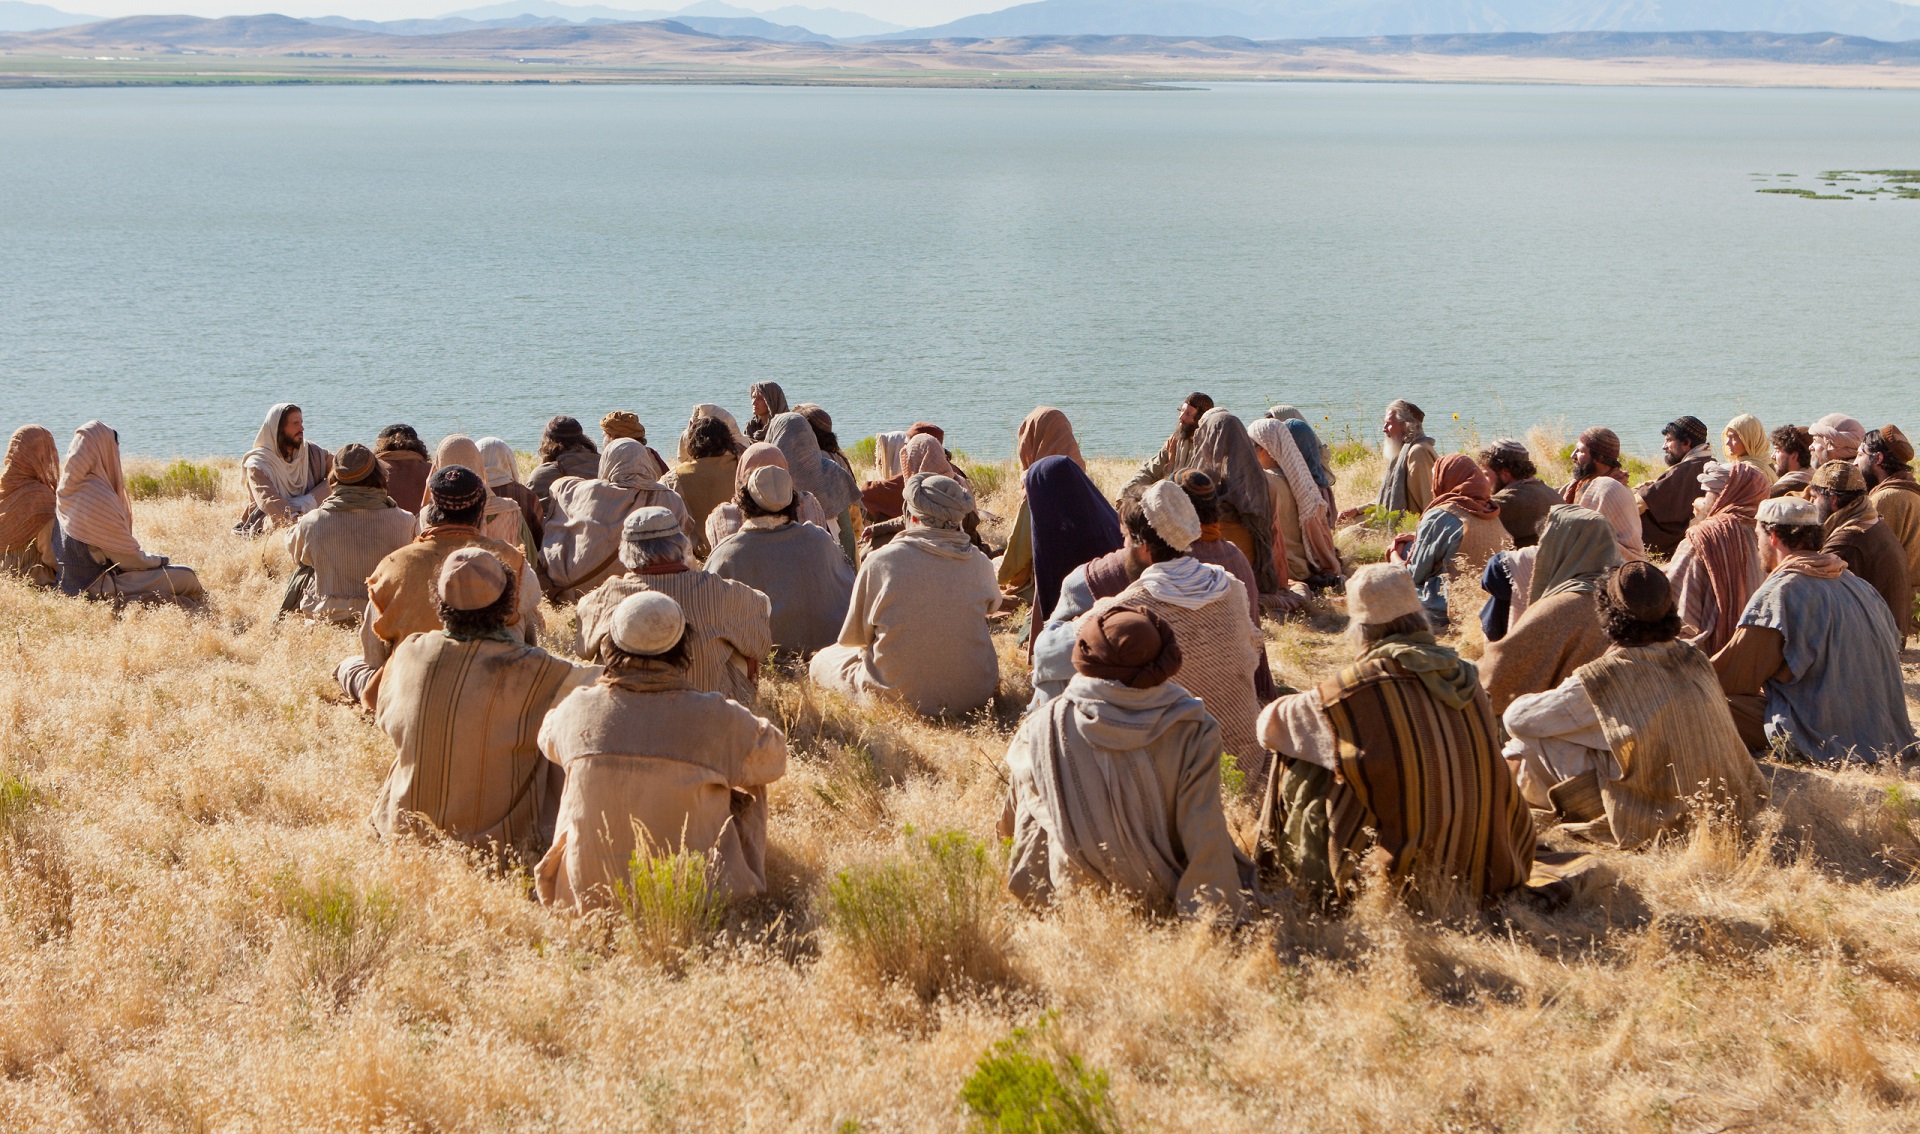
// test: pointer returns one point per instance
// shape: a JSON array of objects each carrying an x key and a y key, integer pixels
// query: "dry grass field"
[{"x": 199, "y": 932}]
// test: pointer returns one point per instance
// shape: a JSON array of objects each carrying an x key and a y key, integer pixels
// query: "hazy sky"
[{"x": 913, "y": 13}]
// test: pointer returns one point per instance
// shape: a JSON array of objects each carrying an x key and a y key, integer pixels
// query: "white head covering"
[
  {"x": 290, "y": 476},
  {"x": 771, "y": 487},
  {"x": 886, "y": 453},
  {"x": 1170, "y": 512},
  {"x": 92, "y": 503},
  {"x": 1788, "y": 511},
  {"x": 646, "y": 624},
  {"x": 501, "y": 468},
  {"x": 627, "y": 464},
  {"x": 937, "y": 501},
  {"x": 1621, "y": 507},
  {"x": 1381, "y": 592}
]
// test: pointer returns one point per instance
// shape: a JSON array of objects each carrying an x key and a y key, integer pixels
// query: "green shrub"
[
  {"x": 16, "y": 797},
  {"x": 1344, "y": 453},
  {"x": 932, "y": 919},
  {"x": 345, "y": 933},
  {"x": 863, "y": 452},
  {"x": 985, "y": 479},
  {"x": 181, "y": 478},
  {"x": 1030, "y": 1083},
  {"x": 669, "y": 904},
  {"x": 1233, "y": 781}
]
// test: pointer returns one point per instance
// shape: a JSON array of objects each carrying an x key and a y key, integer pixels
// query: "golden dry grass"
[{"x": 200, "y": 933}]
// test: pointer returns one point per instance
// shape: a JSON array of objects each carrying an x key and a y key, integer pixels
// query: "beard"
[
  {"x": 1585, "y": 470},
  {"x": 1134, "y": 567},
  {"x": 1672, "y": 459},
  {"x": 1769, "y": 558},
  {"x": 1185, "y": 432},
  {"x": 1875, "y": 476},
  {"x": 289, "y": 445}
]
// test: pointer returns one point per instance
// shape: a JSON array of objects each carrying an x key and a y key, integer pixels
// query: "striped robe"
[
  {"x": 465, "y": 719},
  {"x": 1423, "y": 782}
]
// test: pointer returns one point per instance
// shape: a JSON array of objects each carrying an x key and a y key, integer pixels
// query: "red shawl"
[
  {"x": 1725, "y": 543},
  {"x": 1459, "y": 484}
]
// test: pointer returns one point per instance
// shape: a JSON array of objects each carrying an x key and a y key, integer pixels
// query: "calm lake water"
[{"x": 468, "y": 258}]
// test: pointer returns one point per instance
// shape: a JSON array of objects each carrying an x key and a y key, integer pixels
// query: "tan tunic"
[
  {"x": 1557, "y": 636},
  {"x": 343, "y": 548},
  {"x": 1286, "y": 520},
  {"x": 650, "y": 762},
  {"x": 1899, "y": 505},
  {"x": 464, "y": 718},
  {"x": 401, "y": 591},
  {"x": 731, "y": 631}
]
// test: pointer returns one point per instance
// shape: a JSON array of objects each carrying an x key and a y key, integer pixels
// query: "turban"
[
  {"x": 353, "y": 463},
  {"x": 937, "y": 501},
  {"x": 646, "y": 624},
  {"x": 929, "y": 429},
  {"x": 1839, "y": 476},
  {"x": 1407, "y": 411},
  {"x": 771, "y": 487},
  {"x": 1134, "y": 647},
  {"x": 1894, "y": 444},
  {"x": 1196, "y": 483},
  {"x": 1641, "y": 590},
  {"x": 1603, "y": 445},
  {"x": 457, "y": 488},
  {"x": 1687, "y": 428},
  {"x": 649, "y": 523},
  {"x": 1171, "y": 515},
  {"x": 620, "y": 423},
  {"x": 472, "y": 579},
  {"x": 1381, "y": 592},
  {"x": 1842, "y": 434},
  {"x": 1788, "y": 512}
]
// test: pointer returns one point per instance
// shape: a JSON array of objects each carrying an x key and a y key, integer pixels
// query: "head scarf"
[
  {"x": 1132, "y": 646},
  {"x": 627, "y": 464},
  {"x": 1072, "y": 525},
  {"x": 1284, "y": 446},
  {"x": 27, "y": 485},
  {"x": 924, "y": 454},
  {"x": 501, "y": 468},
  {"x": 887, "y": 448},
  {"x": 938, "y": 501},
  {"x": 813, "y": 471},
  {"x": 776, "y": 399},
  {"x": 1460, "y": 486},
  {"x": 92, "y": 503},
  {"x": 1617, "y": 503},
  {"x": 1047, "y": 433},
  {"x": 1577, "y": 549},
  {"x": 1724, "y": 542},
  {"x": 1224, "y": 451},
  {"x": 1753, "y": 435},
  {"x": 291, "y": 476},
  {"x": 460, "y": 449},
  {"x": 1312, "y": 449}
]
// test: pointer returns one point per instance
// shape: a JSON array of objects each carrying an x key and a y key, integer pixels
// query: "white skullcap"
[
  {"x": 647, "y": 623},
  {"x": 1788, "y": 511},
  {"x": 1381, "y": 592},
  {"x": 650, "y": 522},
  {"x": 1170, "y": 512},
  {"x": 771, "y": 487}
]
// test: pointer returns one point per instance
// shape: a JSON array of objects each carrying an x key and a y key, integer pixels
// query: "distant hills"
[
  {"x": 823, "y": 21},
  {"x": 1314, "y": 19},
  {"x": 15, "y": 15}
]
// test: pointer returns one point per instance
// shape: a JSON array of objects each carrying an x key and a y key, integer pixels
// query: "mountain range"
[{"x": 1261, "y": 20}]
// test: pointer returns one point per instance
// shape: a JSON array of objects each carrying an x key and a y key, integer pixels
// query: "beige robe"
[
  {"x": 732, "y": 634},
  {"x": 651, "y": 763},
  {"x": 1557, "y": 636},
  {"x": 464, "y": 718},
  {"x": 916, "y": 627},
  {"x": 343, "y": 548}
]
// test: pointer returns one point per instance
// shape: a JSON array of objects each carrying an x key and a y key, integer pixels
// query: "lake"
[{"x": 479, "y": 258}]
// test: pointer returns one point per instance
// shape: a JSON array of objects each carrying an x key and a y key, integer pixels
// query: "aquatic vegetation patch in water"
[{"x": 1894, "y": 184}]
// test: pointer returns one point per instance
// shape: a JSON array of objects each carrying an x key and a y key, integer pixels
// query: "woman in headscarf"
[
  {"x": 1223, "y": 450},
  {"x": 98, "y": 553},
  {"x": 1461, "y": 522},
  {"x": 27, "y": 486},
  {"x": 582, "y": 545},
  {"x": 503, "y": 480},
  {"x": 708, "y": 411},
  {"x": 1617, "y": 503},
  {"x": 769, "y": 402},
  {"x": 565, "y": 450},
  {"x": 829, "y": 443},
  {"x": 727, "y": 518},
  {"x": 704, "y": 478},
  {"x": 1716, "y": 568},
  {"x": 1299, "y": 510},
  {"x": 816, "y": 473},
  {"x": 1045, "y": 433},
  {"x": 1319, "y": 457},
  {"x": 1745, "y": 441},
  {"x": 887, "y": 448},
  {"x": 1072, "y": 523},
  {"x": 882, "y": 500},
  {"x": 1561, "y": 630},
  {"x": 405, "y": 465},
  {"x": 503, "y": 520}
]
